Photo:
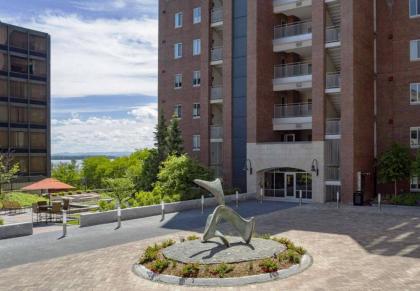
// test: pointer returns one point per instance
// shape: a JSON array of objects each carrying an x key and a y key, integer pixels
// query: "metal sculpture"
[{"x": 245, "y": 227}]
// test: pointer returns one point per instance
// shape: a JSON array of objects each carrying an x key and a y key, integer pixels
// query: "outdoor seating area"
[
  {"x": 11, "y": 207},
  {"x": 44, "y": 212}
]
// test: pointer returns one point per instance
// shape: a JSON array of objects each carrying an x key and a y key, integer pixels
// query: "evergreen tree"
[
  {"x": 161, "y": 137},
  {"x": 416, "y": 166},
  {"x": 174, "y": 140}
]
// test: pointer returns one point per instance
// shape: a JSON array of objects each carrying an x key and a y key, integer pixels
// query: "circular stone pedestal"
[{"x": 215, "y": 252}]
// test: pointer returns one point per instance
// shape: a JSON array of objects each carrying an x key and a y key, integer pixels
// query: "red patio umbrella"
[{"x": 49, "y": 184}]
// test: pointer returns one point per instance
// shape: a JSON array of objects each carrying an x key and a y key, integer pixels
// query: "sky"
[{"x": 103, "y": 70}]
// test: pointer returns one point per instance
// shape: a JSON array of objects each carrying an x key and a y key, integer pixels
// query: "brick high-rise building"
[
  {"x": 25, "y": 99},
  {"x": 292, "y": 96}
]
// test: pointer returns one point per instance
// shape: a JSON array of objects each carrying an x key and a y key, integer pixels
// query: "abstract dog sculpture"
[{"x": 245, "y": 227}]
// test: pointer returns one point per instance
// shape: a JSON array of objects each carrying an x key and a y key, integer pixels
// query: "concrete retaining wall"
[
  {"x": 91, "y": 219},
  {"x": 16, "y": 230}
]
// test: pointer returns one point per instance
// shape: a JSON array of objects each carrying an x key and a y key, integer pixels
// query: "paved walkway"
[{"x": 351, "y": 250}]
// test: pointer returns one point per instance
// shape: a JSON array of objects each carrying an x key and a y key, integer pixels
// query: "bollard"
[
  {"x": 338, "y": 199},
  {"x": 261, "y": 195},
  {"x": 300, "y": 198},
  {"x": 237, "y": 199},
  {"x": 162, "y": 204},
  {"x": 202, "y": 204},
  {"x": 64, "y": 223},
  {"x": 380, "y": 202},
  {"x": 118, "y": 215}
]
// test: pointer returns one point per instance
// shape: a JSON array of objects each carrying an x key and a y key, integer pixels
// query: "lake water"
[{"x": 56, "y": 162}]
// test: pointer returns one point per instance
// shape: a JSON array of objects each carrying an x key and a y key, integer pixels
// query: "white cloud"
[
  {"x": 111, "y": 5},
  {"x": 104, "y": 134},
  {"x": 100, "y": 56}
]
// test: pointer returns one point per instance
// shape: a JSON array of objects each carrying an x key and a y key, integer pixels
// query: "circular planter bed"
[{"x": 195, "y": 263}]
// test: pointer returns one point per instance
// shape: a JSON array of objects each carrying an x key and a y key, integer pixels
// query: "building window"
[
  {"x": 178, "y": 111},
  {"x": 415, "y": 137},
  {"x": 19, "y": 139},
  {"x": 415, "y": 184},
  {"x": 38, "y": 116},
  {"x": 196, "y": 110},
  {"x": 415, "y": 93},
  {"x": 18, "y": 89},
  {"x": 178, "y": 81},
  {"x": 415, "y": 50},
  {"x": 178, "y": 19},
  {"x": 197, "y": 15},
  {"x": 38, "y": 44},
  {"x": 196, "y": 47},
  {"x": 196, "y": 78},
  {"x": 414, "y": 8},
  {"x": 4, "y": 113},
  {"x": 178, "y": 50},
  {"x": 38, "y": 140},
  {"x": 289, "y": 137},
  {"x": 196, "y": 142},
  {"x": 18, "y": 114}
]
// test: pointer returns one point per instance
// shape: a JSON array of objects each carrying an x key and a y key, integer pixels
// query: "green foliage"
[
  {"x": 192, "y": 237},
  {"x": 407, "y": 199},
  {"x": 394, "y": 165},
  {"x": 24, "y": 199},
  {"x": 150, "y": 254},
  {"x": 122, "y": 188},
  {"x": 290, "y": 245},
  {"x": 149, "y": 171},
  {"x": 160, "y": 265},
  {"x": 167, "y": 243},
  {"x": 190, "y": 270},
  {"x": 221, "y": 270},
  {"x": 106, "y": 205},
  {"x": 263, "y": 235},
  {"x": 95, "y": 170},
  {"x": 415, "y": 169},
  {"x": 177, "y": 175},
  {"x": 1, "y": 221},
  {"x": 269, "y": 266},
  {"x": 289, "y": 256},
  {"x": 8, "y": 170},
  {"x": 174, "y": 142},
  {"x": 68, "y": 173},
  {"x": 161, "y": 135}
]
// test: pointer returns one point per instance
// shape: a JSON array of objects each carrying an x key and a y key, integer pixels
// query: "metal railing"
[
  {"x": 332, "y": 173},
  {"x": 293, "y": 110},
  {"x": 216, "y": 132},
  {"x": 333, "y": 126},
  {"x": 217, "y": 15},
  {"x": 333, "y": 80},
  {"x": 282, "y": 2},
  {"x": 216, "y": 54},
  {"x": 216, "y": 93},
  {"x": 292, "y": 70},
  {"x": 292, "y": 29},
  {"x": 332, "y": 34}
]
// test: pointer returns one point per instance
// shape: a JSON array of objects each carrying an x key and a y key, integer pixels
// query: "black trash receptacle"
[{"x": 358, "y": 198}]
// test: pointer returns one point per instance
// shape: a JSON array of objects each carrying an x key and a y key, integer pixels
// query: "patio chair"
[
  {"x": 56, "y": 210},
  {"x": 37, "y": 212}
]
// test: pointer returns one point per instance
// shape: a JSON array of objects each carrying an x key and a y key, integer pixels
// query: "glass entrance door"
[{"x": 290, "y": 184}]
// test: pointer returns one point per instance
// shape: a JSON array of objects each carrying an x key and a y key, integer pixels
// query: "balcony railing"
[
  {"x": 293, "y": 110},
  {"x": 292, "y": 70},
  {"x": 217, "y": 54},
  {"x": 333, "y": 80},
  {"x": 332, "y": 173},
  {"x": 292, "y": 29},
  {"x": 333, "y": 127},
  {"x": 216, "y": 93},
  {"x": 332, "y": 34},
  {"x": 217, "y": 15},
  {"x": 216, "y": 132}
]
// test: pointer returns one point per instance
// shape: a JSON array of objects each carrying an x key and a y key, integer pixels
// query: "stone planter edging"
[{"x": 147, "y": 274}]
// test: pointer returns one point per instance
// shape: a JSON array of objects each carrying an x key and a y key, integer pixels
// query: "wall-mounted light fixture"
[
  {"x": 246, "y": 168},
  {"x": 315, "y": 167}
]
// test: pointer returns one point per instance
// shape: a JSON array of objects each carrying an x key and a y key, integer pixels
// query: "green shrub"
[
  {"x": 263, "y": 235},
  {"x": 190, "y": 271},
  {"x": 150, "y": 254},
  {"x": 269, "y": 266},
  {"x": 1, "y": 221},
  {"x": 221, "y": 270},
  {"x": 192, "y": 237},
  {"x": 106, "y": 205},
  {"x": 289, "y": 256},
  {"x": 159, "y": 265},
  {"x": 167, "y": 243},
  {"x": 407, "y": 199}
]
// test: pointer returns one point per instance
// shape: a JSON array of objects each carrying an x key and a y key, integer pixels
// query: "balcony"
[
  {"x": 333, "y": 83},
  {"x": 216, "y": 94},
  {"x": 216, "y": 57},
  {"x": 216, "y": 133},
  {"x": 293, "y": 37},
  {"x": 333, "y": 37},
  {"x": 292, "y": 117},
  {"x": 217, "y": 17},
  {"x": 333, "y": 127},
  {"x": 292, "y": 7},
  {"x": 296, "y": 76}
]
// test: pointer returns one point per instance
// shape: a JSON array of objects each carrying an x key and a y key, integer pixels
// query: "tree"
[
  {"x": 174, "y": 140},
  {"x": 415, "y": 170},
  {"x": 8, "y": 170},
  {"x": 394, "y": 165},
  {"x": 161, "y": 136},
  {"x": 143, "y": 169},
  {"x": 68, "y": 173},
  {"x": 121, "y": 188},
  {"x": 95, "y": 170}
]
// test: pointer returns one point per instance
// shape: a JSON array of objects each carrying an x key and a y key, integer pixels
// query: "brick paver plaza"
[{"x": 351, "y": 251}]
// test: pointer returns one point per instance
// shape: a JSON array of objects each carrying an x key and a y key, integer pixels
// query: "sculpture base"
[{"x": 215, "y": 252}]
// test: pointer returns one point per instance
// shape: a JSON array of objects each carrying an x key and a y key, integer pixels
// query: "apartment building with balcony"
[
  {"x": 297, "y": 97},
  {"x": 25, "y": 99}
]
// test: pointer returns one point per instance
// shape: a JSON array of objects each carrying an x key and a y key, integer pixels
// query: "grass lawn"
[{"x": 24, "y": 199}]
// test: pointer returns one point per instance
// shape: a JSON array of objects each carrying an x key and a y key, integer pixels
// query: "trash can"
[{"x": 358, "y": 198}]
